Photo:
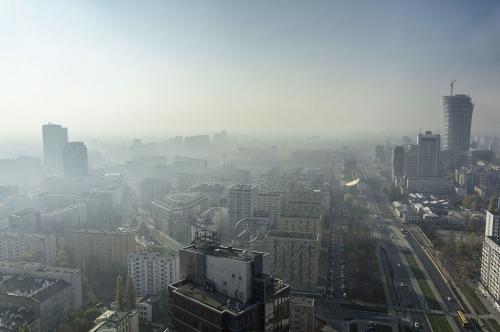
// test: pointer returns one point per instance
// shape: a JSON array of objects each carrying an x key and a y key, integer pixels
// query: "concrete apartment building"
[
  {"x": 64, "y": 219},
  {"x": 16, "y": 246},
  {"x": 306, "y": 202},
  {"x": 226, "y": 289},
  {"x": 300, "y": 224},
  {"x": 71, "y": 276},
  {"x": 268, "y": 204},
  {"x": 49, "y": 298},
  {"x": 75, "y": 160},
  {"x": 174, "y": 213},
  {"x": 152, "y": 188},
  {"x": 110, "y": 249},
  {"x": 152, "y": 272},
  {"x": 490, "y": 260},
  {"x": 295, "y": 258},
  {"x": 301, "y": 314},
  {"x": 25, "y": 221},
  {"x": 241, "y": 202}
]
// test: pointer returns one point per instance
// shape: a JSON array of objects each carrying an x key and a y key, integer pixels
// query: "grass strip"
[
  {"x": 429, "y": 296},
  {"x": 439, "y": 323}
]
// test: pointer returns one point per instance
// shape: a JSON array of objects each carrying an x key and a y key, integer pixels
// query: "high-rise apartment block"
[
  {"x": 109, "y": 249},
  {"x": 55, "y": 138},
  {"x": 490, "y": 260},
  {"x": 226, "y": 289},
  {"x": 152, "y": 272},
  {"x": 75, "y": 159},
  {"x": 295, "y": 258},
  {"x": 241, "y": 202}
]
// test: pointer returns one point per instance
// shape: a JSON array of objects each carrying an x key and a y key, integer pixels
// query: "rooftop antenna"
[{"x": 451, "y": 87}]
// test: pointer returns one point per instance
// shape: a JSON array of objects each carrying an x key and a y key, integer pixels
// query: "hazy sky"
[{"x": 310, "y": 67}]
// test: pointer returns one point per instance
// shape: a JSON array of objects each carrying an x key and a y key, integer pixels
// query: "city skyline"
[{"x": 267, "y": 67}]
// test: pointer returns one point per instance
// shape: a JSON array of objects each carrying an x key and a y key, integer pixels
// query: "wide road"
[{"x": 406, "y": 302}]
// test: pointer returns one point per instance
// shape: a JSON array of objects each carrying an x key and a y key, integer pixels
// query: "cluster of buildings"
[
  {"x": 419, "y": 167},
  {"x": 38, "y": 294}
]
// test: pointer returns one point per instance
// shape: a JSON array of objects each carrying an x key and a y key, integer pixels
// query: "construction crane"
[{"x": 451, "y": 87}]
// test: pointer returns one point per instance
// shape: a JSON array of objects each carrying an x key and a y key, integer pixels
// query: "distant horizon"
[{"x": 332, "y": 68}]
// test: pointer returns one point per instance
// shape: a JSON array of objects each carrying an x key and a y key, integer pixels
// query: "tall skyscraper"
[
  {"x": 349, "y": 168},
  {"x": 75, "y": 160},
  {"x": 457, "y": 126},
  {"x": 428, "y": 154},
  {"x": 398, "y": 159},
  {"x": 55, "y": 138}
]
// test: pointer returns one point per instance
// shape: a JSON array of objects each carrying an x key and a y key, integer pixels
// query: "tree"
[
  {"x": 130, "y": 294},
  {"x": 348, "y": 199},
  {"x": 394, "y": 193},
  {"x": 24, "y": 327},
  {"x": 119, "y": 293},
  {"x": 62, "y": 258},
  {"x": 467, "y": 202},
  {"x": 493, "y": 203}
]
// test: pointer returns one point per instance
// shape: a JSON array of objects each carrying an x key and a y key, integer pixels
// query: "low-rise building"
[
  {"x": 148, "y": 309},
  {"x": 48, "y": 298},
  {"x": 35, "y": 270},
  {"x": 117, "y": 321}
]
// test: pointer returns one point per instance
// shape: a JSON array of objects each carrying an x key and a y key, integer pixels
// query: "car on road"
[
  {"x": 449, "y": 299},
  {"x": 398, "y": 265},
  {"x": 417, "y": 325},
  {"x": 371, "y": 324},
  {"x": 402, "y": 284}
]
